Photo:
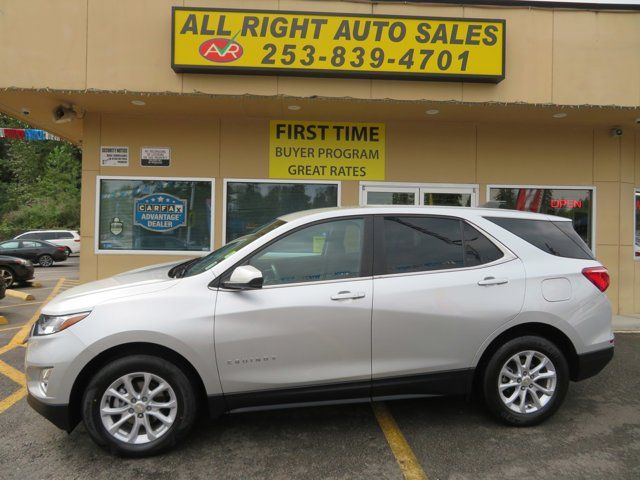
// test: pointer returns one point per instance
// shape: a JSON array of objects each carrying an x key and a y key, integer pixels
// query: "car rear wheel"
[
  {"x": 139, "y": 405},
  {"x": 45, "y": 260},
  {"x": 67, "y": 250},
  {"x": 7, "y": 276},
  {"x": 526, "y": 381}
]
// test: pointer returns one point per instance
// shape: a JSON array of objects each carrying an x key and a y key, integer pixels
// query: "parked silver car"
[{"x": 328, "y": 305}]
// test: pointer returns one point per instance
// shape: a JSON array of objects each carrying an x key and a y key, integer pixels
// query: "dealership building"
[{"x": 200, "y": 120}]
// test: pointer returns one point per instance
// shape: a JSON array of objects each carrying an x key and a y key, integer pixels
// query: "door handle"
[
  {"x": 487, "y": 281},
  {"x": 344, "y": 295}
]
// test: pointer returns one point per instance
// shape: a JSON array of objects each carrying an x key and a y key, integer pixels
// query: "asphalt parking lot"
[{"x": 595, "y": 434}]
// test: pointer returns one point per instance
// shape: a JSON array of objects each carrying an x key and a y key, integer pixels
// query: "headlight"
[{"x": 48, "y": 324}]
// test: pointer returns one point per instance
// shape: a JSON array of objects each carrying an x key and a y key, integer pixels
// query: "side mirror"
[{"x": 244, "y": 277}]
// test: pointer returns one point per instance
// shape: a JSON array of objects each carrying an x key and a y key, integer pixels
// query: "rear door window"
[
  {"x": 417, "y": 244},
  {"x": 63, "y": 235},
  {"x": 478, "y": 249},
  {"x": 557, "y": 238}
]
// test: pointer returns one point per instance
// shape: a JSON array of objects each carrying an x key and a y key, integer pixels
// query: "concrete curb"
[
  {"x": 3, "y": 320},
  {"x": 21, "y": 295}
]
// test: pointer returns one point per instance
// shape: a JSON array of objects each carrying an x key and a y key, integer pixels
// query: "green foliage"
[{"x": 39, "y": 184}]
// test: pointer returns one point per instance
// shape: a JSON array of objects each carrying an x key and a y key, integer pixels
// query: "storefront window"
[
  {"x": 159, "y": 214},
  {"x": 447, "y": 199},
  {"x": 252, "y": 204},
  {"x": 636, "y": 247},
  {"x": 573, "y": 203}
]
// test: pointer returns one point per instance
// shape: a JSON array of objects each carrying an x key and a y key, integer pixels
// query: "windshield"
[{"x": 202, "y": 264}]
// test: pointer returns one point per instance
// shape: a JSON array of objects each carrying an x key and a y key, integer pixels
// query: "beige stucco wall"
[
  {"x": 426, "y": 152},
  {"x": 553, "y": 56}
]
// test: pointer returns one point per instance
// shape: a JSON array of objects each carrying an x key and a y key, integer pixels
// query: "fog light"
[{"x": 45, "y": 373}]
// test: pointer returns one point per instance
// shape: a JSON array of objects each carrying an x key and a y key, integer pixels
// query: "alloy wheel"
[
  {"x": 527, "y": 382},
  {"x": 138, "y": 408},
  {"x": 45, "y": 261},
  {"x": 6, "y": 276}
]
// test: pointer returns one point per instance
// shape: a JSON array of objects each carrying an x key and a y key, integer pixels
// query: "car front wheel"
[
  {"x": 7, "y": 276},
  {"x": 526, "y": 381},
  {"x": 139, "y": 405},
  {"x": 45, "y": 260}
]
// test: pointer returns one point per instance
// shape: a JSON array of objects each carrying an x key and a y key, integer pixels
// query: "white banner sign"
[{"x": 113, "y": 156}]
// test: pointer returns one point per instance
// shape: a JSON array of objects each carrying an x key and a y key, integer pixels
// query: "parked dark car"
[
  {"x": 3, "y": 289},
  {"x": 15, "y": 270},
  {"x": 38, "y": 251}
]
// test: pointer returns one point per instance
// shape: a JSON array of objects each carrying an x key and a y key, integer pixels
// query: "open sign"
[{"x": 565, "y": 203}]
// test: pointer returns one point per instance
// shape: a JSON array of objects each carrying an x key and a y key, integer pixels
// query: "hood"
[{"x": 135, "y": 282}]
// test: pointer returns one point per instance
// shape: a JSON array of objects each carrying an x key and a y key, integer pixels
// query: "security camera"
[
  {"x": 63, "y": 114},
  {"x": 25, "y": 111},
  {"x": 616, "y": 132}
]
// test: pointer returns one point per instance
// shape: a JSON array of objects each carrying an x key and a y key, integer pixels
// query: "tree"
[{"x": 39, "y": 183}]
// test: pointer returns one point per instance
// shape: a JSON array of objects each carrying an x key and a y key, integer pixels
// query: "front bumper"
[
  {"x": 59, "y": 415},
  {"x": 592, "y": 363}
]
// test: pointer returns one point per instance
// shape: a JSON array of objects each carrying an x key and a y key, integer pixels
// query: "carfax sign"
[
  {"x": 326, "y": 150},
  {"x": 160, "y": 212},
  {"x": 337, "y": 45}
]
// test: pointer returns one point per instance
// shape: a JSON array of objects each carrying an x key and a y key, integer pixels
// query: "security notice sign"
[
  {"x": 326, "y": 150},
  {"x": 113, "y": 156},
  {"x": 337, "y": 45}
]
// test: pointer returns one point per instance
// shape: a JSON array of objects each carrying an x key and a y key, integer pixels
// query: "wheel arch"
[
  {"x": 119, "y": 351},
  {"x": 544, "y": 330}
]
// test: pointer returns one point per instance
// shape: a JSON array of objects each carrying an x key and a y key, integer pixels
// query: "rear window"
[
  {"x": 64, "y": 235},
  {"x": 556, "y": 238}
]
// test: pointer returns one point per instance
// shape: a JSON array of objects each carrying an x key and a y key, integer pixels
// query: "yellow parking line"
[
  {"x": 14, "y": 374},
  {"x": 22, "y": 334},
  {"x": 11, "y": 399},
  {"x": 19, "y": 305},
  {"x": 10, "y": 328},
  {"x": 405, "y": 457}
]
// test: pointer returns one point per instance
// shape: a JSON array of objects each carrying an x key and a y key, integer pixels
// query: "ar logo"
[{"x": 221, "y": 50}]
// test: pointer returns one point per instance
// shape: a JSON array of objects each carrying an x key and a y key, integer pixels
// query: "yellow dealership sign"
[
  {"x": 326, "y": 150},
  {"x": 337, "y": 45}
]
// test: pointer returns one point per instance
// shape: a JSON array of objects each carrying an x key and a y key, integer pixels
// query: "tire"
[
  {"x": 7, "y": 276},
  {"x": 97, "y": 397},
  {"x": 67, "y": 250},
  {"x": 45, "y": 260},
  {"x": 549, "y": 383}
]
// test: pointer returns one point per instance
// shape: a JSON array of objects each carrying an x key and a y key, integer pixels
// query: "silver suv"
[{"x": 328, "y": 305}]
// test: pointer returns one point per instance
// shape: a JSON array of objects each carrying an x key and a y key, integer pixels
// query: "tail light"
[
  {"x": 76, "y": 240},
  {"x": 62, "y": 249},
  {"x": 599, "y": 276}
]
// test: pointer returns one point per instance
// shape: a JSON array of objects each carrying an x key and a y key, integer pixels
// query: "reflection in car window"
[
  {"x": 556, "y": 238},
  {"x": 30, "y": 244},
  {"x": 194, "y": 267},
  {"x": 325, "y": 251},
  {"x": 416, "y": 244},
  {"x": 478, "y": 249}
]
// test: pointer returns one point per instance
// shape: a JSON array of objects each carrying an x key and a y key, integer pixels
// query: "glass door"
[
  {"x": 436, "y": 195},
  {"x": 390, "y": 195},
  {"x": 448, "y": 196}
]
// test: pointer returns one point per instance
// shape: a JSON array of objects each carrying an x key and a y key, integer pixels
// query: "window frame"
[
  {"x": 636, "y": 198},
  {"x": 594, "y": 204},
  {"x": 191, "y": 253},
  {"x": 453, "y": 188},
  {"x": 226, "y": 181},
  {"x": 367, "y": 254},
  {"x": 379, "y": 249}
]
